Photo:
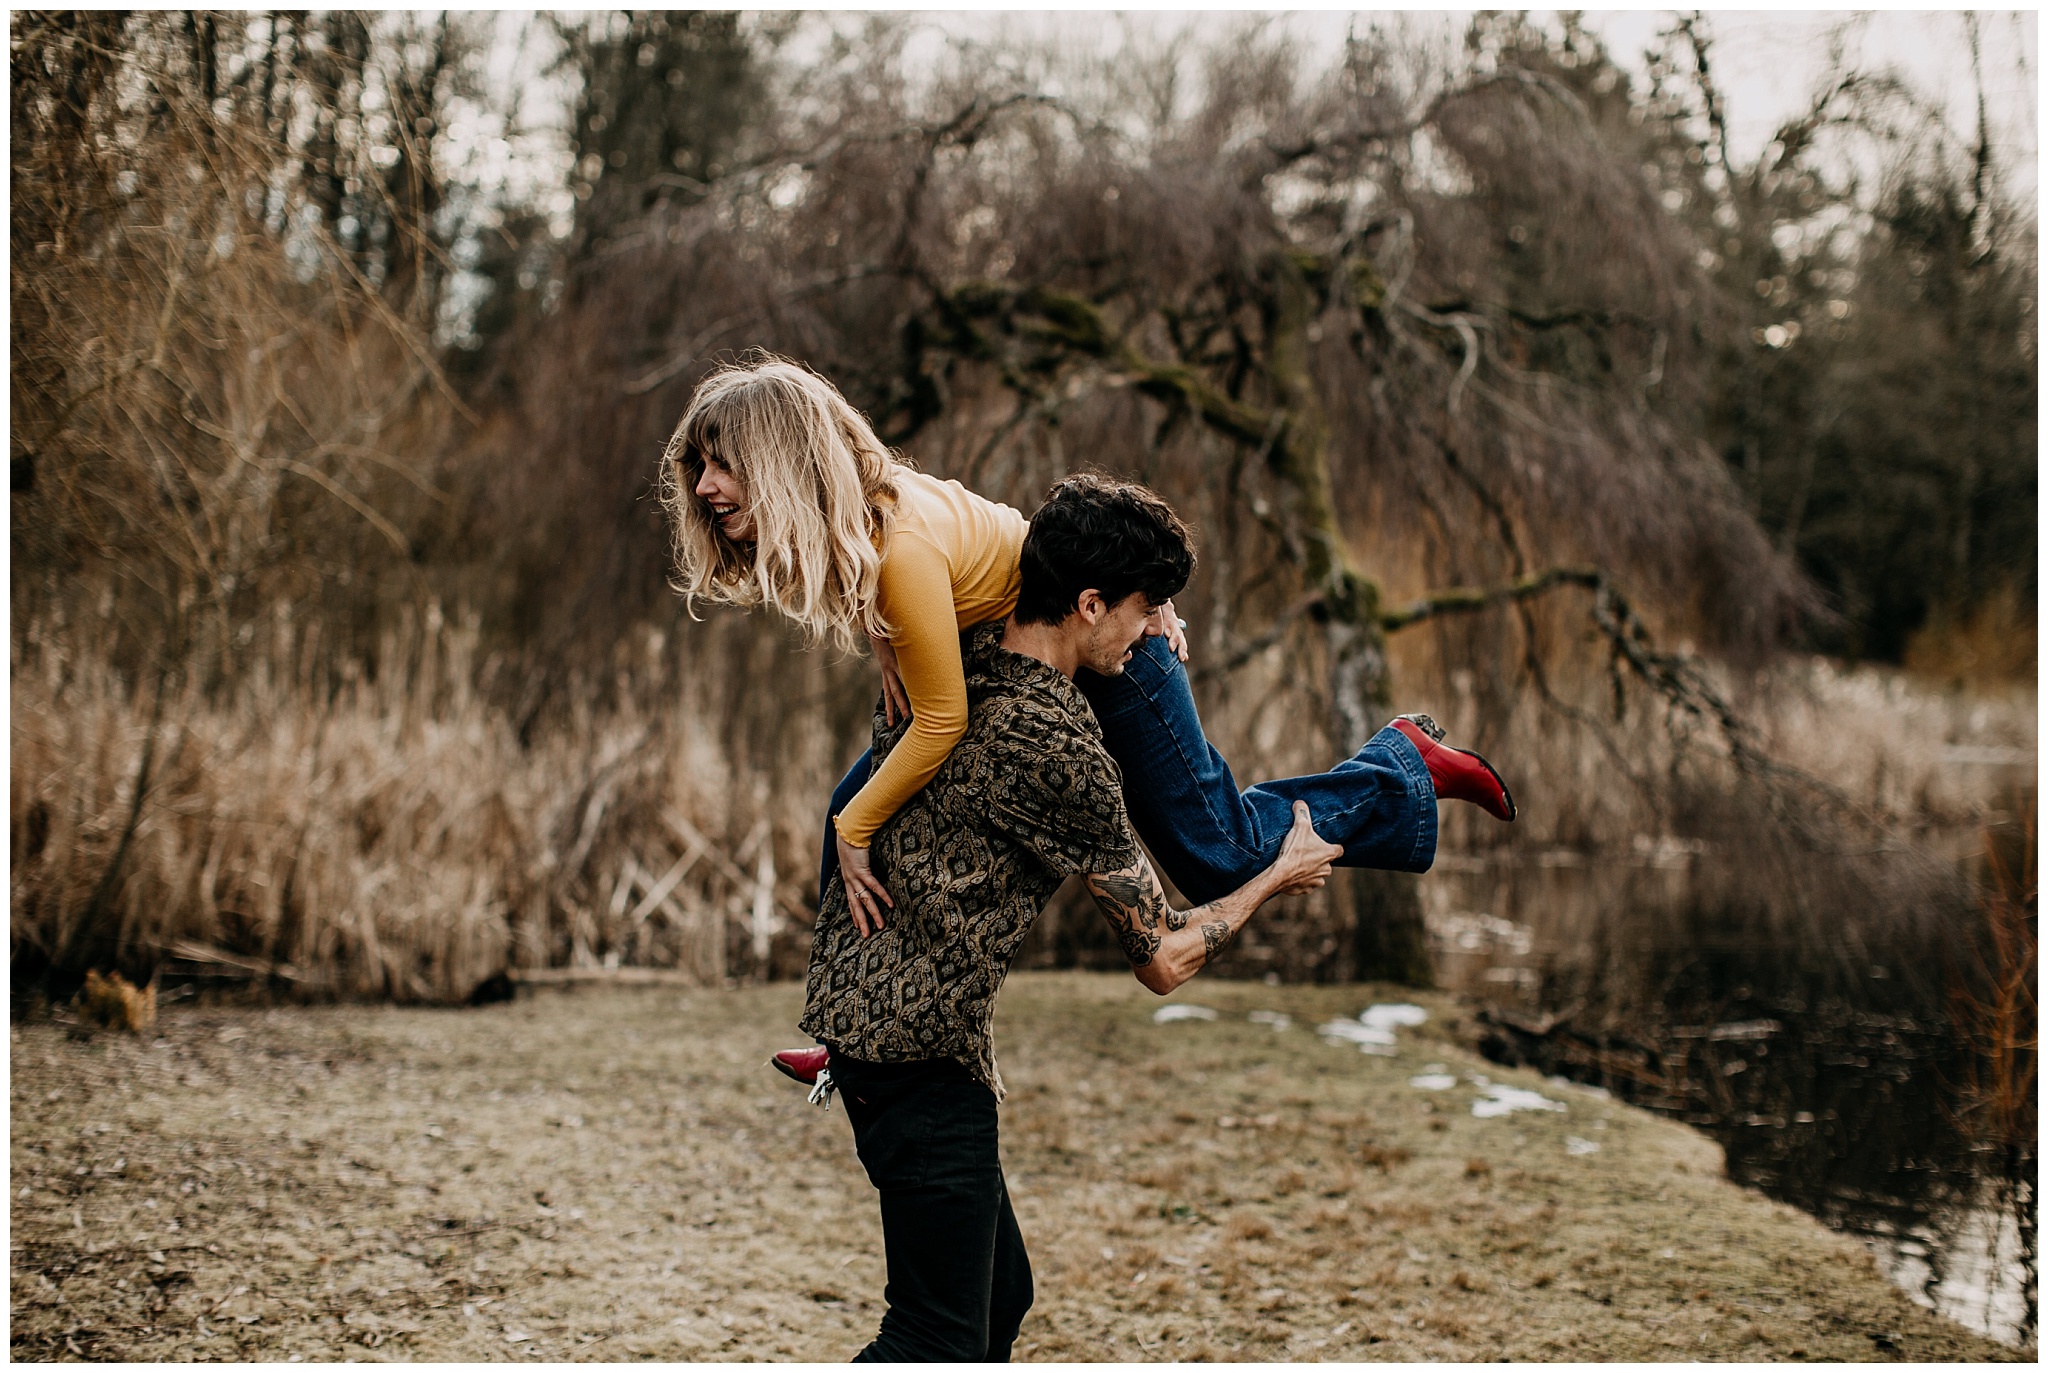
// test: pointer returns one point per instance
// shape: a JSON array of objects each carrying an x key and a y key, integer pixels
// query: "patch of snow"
[
  {"x": 1392, "y": 1015},
  {"x": 1166, "y": 1015},
  {"x": 1433, "y": 1082},
  {"x": 1501, "y": 1100},
  {"x": 1373, "y": 1031},
  {"x": 1355, "y": 1033},
  {"x": 1576, "y": 1147},
  {"x": 1274, "y": 1018}
]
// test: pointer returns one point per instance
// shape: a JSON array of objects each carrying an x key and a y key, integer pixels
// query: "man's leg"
[
  {"x": 959, "y": 1282},
  {"x": 1209, "y": 836},
  {"x": 1010, "y": 1285}
]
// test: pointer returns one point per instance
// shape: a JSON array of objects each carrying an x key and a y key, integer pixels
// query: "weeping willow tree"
[{"x": 1415, "y": 342}]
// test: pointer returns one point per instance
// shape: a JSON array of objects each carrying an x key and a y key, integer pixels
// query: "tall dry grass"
[
  {"x": 1996, "y": 1007},
  {"x": 392, "y": 837},
  {"x": 1650, "y": 875}
]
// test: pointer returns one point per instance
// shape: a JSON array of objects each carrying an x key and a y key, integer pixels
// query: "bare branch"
[
  {"x": 1285, "y": 155},
  {"x": 1459, "y": 599},
  {"x": 1252, "y": 648},
  {"x": 1717, "y": 117}
]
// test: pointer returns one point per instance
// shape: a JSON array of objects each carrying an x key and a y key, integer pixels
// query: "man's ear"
[{"x": 1090, "y": 606}]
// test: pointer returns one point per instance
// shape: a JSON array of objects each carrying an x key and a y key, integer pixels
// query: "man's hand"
[
  {"x": 895, "y": 700},
  {"x": 1166, "y": 947},
  {"x": 863, "y": 889},
  {"x": 1304, "y": 861}
]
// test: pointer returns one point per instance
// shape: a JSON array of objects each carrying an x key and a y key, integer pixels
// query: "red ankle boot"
[
  {"x": 1458, "y": 774},
  {"x": 802, "y": 1064}
]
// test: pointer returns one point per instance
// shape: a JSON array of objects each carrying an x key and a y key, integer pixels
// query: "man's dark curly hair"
[{"x": 1096, "y": 531}]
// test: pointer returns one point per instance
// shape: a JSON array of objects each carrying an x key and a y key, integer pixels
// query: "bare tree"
[{"x": 224, "y": 392}]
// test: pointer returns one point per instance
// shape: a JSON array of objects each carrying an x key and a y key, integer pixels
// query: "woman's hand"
[
  {"x": 1304, "y": 860},
  {"x": 1173, "y": 629},
  {"x": 895, "y": 700},
  {"x": 862, "y": 888}
]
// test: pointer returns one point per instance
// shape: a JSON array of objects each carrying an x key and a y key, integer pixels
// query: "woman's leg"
[
  {"x": 803, "y": 1064},
  {"x": 1209, "y": 836},
  {"x": 842, "y": 796}
]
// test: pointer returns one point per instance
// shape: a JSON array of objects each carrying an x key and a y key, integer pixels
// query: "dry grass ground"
[{"x": 611, "y": 1173}]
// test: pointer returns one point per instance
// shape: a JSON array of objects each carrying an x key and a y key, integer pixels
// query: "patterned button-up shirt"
[{"x": 1028, "y": 798}]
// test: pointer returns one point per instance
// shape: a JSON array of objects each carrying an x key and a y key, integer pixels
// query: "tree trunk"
[{"x": 1389, "y": 936}]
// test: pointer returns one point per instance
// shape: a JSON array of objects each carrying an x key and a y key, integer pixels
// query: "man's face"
[{"x": 1116, "y": 631}]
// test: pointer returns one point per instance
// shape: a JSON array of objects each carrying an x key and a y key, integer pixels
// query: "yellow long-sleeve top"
[{"x": 951, "y": 562}]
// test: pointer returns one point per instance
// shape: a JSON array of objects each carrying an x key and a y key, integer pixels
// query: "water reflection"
[
  {"x": 1979, "y": 1272},
  {"x": 1971, "y": 1261},
  {"x": 1851, "y": 1114}
]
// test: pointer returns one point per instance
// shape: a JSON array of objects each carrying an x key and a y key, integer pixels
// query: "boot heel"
[{"x": 1426, "y": 724}]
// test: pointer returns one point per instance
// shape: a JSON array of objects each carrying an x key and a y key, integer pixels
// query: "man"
[{"x": 1028, "y": 798}]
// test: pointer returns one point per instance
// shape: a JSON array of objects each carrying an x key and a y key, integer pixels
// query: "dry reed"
[
  {"x": 1644, "y": 871},
  {"x": 390, "y": 838},
  {"x": 1994, "y": 1007},
  {"x": 389, "y": 835}
]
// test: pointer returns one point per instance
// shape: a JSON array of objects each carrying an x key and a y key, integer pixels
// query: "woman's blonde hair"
[{"x": 821, "y": 489}]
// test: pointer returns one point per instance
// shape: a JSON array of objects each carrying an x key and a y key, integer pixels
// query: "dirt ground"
[{"x": 612, "y": 1173}]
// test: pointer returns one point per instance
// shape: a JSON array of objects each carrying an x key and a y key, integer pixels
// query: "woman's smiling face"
[{"x": 722, "y": 490}]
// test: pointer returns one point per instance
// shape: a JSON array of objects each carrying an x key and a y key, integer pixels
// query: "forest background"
[{"x": 1697, "y": 489}]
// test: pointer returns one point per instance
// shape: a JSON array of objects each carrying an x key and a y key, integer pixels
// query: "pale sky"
[
  {"x": 1769, "y": 60},
  {"x": 1766, "y": 62}
]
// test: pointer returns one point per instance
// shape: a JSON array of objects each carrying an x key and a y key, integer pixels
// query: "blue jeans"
[{"x": 1210, "y": 837}]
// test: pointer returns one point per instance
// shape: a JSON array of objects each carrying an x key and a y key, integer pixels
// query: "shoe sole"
[
  {"x": 792, "y": 1074},
  {"x": 1498, "y": 780}
]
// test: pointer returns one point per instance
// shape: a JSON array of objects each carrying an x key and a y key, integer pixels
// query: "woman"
[{"x": 779, "y": 493}]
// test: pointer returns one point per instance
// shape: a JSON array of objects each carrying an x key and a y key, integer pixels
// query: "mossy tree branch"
[
  {"x": 1059, "y": 327},
  {"x": 1033, "y": 333},
  {"x": 1469, "y": 598}
]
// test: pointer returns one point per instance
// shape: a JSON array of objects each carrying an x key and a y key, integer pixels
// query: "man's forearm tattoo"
[
  {"x": 1133, "y": 905},
  {"x": 1216, "y": 937},
  {"x": 1130, "y": 893},
  {"x": 1138, "y": 945},
  {"x": 1176, "y": 920}
]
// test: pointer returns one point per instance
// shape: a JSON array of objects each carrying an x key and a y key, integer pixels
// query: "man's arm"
[{"x": 1166, "y": 947}]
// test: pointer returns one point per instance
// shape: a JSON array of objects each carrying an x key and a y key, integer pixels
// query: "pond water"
[
  {"x": 1854, "y": 1115},
  {"x": 1856, "y": 1122},
  {"x": 1973, "y": 1264}
]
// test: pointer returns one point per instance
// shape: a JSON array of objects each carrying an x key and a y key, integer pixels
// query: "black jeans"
[{"x": 959, "y": 1279}]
